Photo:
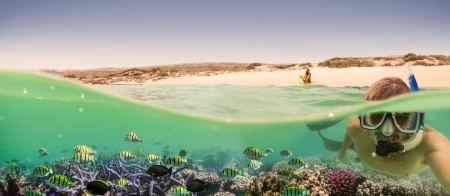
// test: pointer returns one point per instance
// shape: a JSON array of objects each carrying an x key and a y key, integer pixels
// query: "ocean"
[{"x": 214, "y": 123}]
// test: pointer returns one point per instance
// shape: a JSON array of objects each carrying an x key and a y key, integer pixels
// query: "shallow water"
[{"x": 39, "y": 111}]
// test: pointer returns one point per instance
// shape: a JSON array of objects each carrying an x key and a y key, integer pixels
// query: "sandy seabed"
[{"x": 427, "y": 77}]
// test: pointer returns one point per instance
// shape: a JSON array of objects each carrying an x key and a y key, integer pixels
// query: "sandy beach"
[{"x": 427, "y": 76}]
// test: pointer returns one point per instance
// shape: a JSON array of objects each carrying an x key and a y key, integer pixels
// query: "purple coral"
[{"x": 341, "y": 182}]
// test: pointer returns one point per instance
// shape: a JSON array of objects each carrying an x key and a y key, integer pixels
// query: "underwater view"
[{"x": 59, "y": 137}]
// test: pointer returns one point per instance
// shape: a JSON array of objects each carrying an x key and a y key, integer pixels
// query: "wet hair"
[{"x": 386, "y": 88}]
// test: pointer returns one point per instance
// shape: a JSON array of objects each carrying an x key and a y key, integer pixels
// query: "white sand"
[{"x": 432, "y": 76}]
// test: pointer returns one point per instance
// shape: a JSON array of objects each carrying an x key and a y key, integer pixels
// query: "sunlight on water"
[{"x": 38, "y": 111}]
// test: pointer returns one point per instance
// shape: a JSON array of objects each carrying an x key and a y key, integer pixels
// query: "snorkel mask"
[{"x": 390, "y": 122}]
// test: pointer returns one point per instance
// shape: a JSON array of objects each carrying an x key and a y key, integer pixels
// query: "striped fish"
[
  {"x": 42, "y": 171},
  {"x": 34, "y": 193},
  {"x": 83, "y": 148},
  {"x": 230, "y": 173},
  {"x": 175, "y": 161},
  {"x": 43, "y": 152},
  {"x": 297, "y": 162},
  {"x": 126, "y": 155},
  {"x": 83, "y": 158},
  {"x": 286, "y": 153},
  {"x": 254, "y": 164},
  {"x": 122, "y": 182},
  {"x": 183, "y": 153},
  {"x": 295, "y": 191},
  {"x": 60, "y": 181},
  {"x": 254, "y": 153},
  {"x": 269, "y": 151},
  {"x": 180, "y": 191},
  {"x": 152, "y": 158},
  {"x": 133, "y": 137}
]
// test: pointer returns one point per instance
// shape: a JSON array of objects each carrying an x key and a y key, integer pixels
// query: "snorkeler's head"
[{"x": 386, "y": 88}]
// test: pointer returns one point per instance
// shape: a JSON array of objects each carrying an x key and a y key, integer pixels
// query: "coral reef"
[
  {"x": 313, "y": 180},
  {"x": 341, "y": 182},
  {"x": 265, "y": 184}
]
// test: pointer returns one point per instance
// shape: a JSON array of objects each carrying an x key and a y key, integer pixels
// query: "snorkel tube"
[{"x": 384, "y": 147}]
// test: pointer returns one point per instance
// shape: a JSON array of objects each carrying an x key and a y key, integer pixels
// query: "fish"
[
  {"x": 286, "y": 153},
  {"x": 60, "y": 181},
  {"x": 14, "y": 161},
  {"x": 43, "y": 152},
  {"x": 183, "y": 153},
  {"x": 254, "y": 164},
  {"x": 7, "y": 162},
  {"x": 269, "y": 151},
  {"x": 180, "y": 191},
  {"x": 34, "y": 193},
  {"x": 42, "y": 171},
  {"x": 126, "y": 155},
  {"x": 4, "y": 151},
  {"x": 254, "y": 153},
  {"x": 295, "y": 191},
  {"x": 133, "y": 137},
  {"x": 139, "y": 152},
  {"x": 83, "y": 148},
  {"x": 83, "y": 158},
  {"x": 297, "y": 162},
  {"x": 122, "y": 182},
  {"x": 196, "y": 185},
  {"x": 157, "y": 143},
  {"x": 166, "y": 147},
  {"x": 230, "y": 172},
  {"x": 98, "y": 187},
  {"x": 64, "y": 151},
  {"x": 159, "y": 170},
  {"x": 94, "y": 147},
  {"x": 175, "y": 161},
  {"x": 152, "y": 158}
]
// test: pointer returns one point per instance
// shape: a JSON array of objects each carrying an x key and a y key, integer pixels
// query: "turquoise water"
[{"x": 40, "y": 111}]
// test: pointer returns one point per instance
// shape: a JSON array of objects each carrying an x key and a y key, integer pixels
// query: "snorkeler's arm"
[
  {"x": 346, "y": 143},
  {"x": 438, "y": 155}
]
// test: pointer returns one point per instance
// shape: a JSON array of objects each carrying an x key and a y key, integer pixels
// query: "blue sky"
[{"x": 90, "y": 34}]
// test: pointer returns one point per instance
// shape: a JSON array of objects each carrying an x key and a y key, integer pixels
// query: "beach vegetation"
[
  {"x": 284, "y": 66},
  {"x": 439, "y": 57},
  {"x": 253, "y": 65},
  {"x": 380, "y": 58},
  {"x": 413, "y": 57},
  {"x": 307, "y": 64},
  {"x": 70, "y": 76},
  {"x": 347, "y": 62},
  {"x": 163, "y": 73}
]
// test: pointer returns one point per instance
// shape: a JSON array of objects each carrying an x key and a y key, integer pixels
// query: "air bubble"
[
  {"x": 82, "y": 95},
  {"x": 228, "y": 120},
  {"x": 331, "y": 115},
  {"x": 2, "y": 117},
  {"x": 52, "y": 87},
  {"x": 81, "y": 109},
  {"x": 60, "y": 135},
  {"x": 25, "y": 91}
]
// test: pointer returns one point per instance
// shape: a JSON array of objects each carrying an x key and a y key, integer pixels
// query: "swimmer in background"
[
  {"x": 397, "y": 143},
  {"x": 307, "y": 77}
]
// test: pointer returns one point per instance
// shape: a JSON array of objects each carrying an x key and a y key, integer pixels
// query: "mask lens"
[
  {"x": 372, "y": 120},
  {"x": 376, "y": 118},
  {"x": 407, "y": 122}
]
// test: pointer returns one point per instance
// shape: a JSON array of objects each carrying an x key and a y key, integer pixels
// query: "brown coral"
[{"x": 266, "y": 184}]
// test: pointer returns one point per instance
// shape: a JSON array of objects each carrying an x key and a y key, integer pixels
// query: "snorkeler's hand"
[{"x": 342, "y": 156}]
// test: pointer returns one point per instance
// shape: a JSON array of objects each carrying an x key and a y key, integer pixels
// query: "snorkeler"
[{"x": 397, "y": 143}]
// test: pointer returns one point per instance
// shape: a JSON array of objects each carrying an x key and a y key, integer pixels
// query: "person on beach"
[
  {"x": 307, "y": 77},
  {"x": 396, "y": 143}
]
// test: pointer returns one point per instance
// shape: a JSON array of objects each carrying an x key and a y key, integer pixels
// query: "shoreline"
[{"x": 427, "y": 77}]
